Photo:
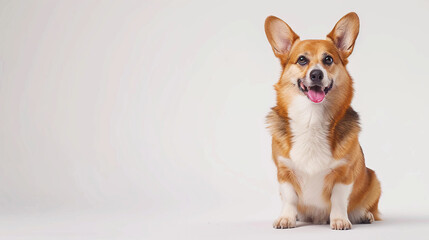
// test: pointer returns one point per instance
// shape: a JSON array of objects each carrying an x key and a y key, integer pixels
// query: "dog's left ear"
[
  {"x": 345, "y": 33},
  {"x": 280, "y": 36}
]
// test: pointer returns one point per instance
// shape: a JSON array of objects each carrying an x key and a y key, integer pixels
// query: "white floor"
[{"x": 134, "y": 226}]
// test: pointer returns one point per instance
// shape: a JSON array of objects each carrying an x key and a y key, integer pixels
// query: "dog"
[{"x": 320, "y": 164}]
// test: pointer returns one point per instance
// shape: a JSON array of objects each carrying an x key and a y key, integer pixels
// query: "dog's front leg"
[
  {"x": 287, "y": 218},
  {"x": 339, "y": 202}
]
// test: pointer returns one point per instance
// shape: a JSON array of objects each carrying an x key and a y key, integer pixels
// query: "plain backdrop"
[{"x": 146, "y": 119}]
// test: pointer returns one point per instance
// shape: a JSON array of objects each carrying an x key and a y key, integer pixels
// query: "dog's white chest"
[{"x": 310, "y": 156}]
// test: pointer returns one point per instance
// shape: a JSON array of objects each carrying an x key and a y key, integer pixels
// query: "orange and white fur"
[{"x": 320, "y": 164}]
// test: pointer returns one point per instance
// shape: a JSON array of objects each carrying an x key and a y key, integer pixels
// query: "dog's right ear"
[
  {"x": 345, "y": 33},
  {"x": 280, "y": 36}
]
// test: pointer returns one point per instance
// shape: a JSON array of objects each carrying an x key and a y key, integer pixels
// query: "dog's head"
[{"x": 314, "y": 68}]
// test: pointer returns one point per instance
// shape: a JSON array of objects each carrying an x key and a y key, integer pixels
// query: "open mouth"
[{"x": 315, "y": 93}]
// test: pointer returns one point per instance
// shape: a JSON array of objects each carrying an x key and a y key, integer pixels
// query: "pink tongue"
[{"x": 316, "y": 95}]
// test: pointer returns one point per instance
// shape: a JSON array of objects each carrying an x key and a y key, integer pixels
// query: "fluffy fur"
[{"x": 321, "y": 166}]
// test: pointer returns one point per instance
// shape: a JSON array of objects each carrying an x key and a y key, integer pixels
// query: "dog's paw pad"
[
  {"x": 340, "y": 224},
  {"x": 283, "y": 222}
]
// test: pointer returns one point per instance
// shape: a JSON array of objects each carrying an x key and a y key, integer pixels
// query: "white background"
[{"x": 145, "y": 120}]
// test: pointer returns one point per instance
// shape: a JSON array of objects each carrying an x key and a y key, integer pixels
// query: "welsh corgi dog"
[{"x": 320, "y": 163}]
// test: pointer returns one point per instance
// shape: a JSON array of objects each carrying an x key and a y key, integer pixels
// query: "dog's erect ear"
[
  {"x": 280, "y": 36},
  {"x": 345, "y": 33}
]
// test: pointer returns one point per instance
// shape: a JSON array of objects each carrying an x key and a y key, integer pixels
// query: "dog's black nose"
[{"x": 316, "y": 75}]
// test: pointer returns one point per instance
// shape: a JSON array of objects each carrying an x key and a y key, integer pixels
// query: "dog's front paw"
[
  {"x": 284, "y": 222},
  {"x": 340, "y": 224}
]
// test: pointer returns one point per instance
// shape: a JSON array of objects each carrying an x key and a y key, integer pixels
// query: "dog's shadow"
[
  {"x": 405, "y": 220},
  {"x": 388, "y": 221}
]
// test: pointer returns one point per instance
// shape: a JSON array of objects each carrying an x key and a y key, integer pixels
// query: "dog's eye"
[
  {"x": 328, "y": 60},
  {"x": 302, "y": 60}
]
